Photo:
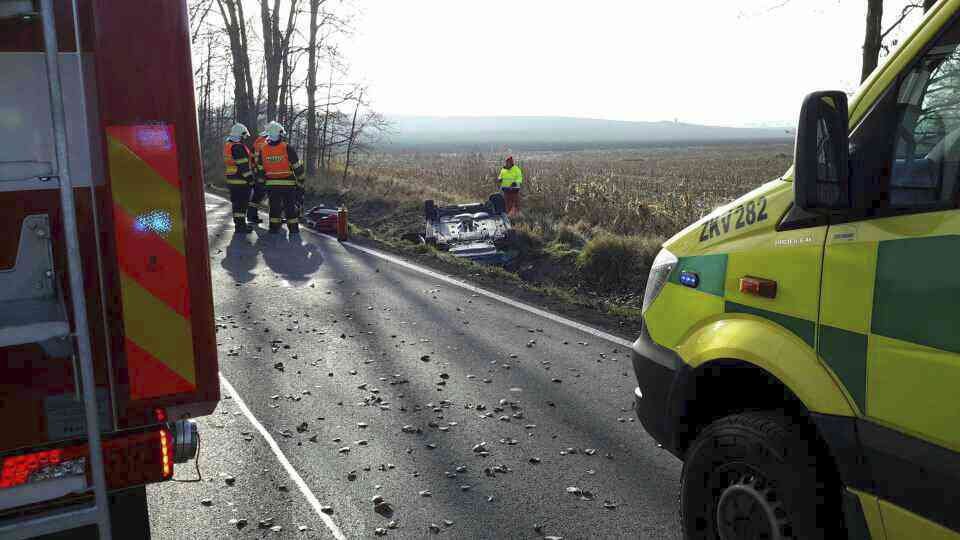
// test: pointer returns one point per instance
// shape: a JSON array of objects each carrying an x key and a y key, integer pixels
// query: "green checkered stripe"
[{"x": 914, "y": 301}]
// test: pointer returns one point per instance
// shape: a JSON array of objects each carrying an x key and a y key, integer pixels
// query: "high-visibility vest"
[
  {"x": 257, "y": 146},
  {"x": 230, "y": 165},
  {"x": 511, "y": 175},
  {"x": 276, "y": 165}
]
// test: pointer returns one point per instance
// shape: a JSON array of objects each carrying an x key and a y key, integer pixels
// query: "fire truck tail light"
[
  {"x": 129, "y": 460},
  {"x": 166, "y": 452},
  {"x": 140, "y": 458},
  {"x": 45, "y": 465}
]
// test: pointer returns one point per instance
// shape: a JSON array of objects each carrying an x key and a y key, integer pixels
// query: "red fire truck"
[{"x": 107, "y": 340}]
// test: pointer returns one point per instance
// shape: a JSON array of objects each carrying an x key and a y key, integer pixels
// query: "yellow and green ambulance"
[{"x": 801, "y": 345}]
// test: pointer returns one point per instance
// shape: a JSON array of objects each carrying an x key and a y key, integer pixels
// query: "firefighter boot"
[{"x": 240, "y": 225}]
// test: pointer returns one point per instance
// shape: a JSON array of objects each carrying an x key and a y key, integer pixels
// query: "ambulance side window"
[{"x": 926, "y": 155}]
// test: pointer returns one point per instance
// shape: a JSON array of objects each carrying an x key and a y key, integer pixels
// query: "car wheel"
[
  {"x": 429, "y": 211},
  {"x": 498, "y": 203},
  {"x": 755, "y": 475}
]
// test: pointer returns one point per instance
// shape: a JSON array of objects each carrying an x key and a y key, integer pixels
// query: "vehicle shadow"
[
  {"x": 241, "y": 258},
  {"x": 290, "y": 257}
]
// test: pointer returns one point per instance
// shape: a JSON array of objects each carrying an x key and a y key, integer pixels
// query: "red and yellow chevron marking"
[{"x": 148, "y": 215}]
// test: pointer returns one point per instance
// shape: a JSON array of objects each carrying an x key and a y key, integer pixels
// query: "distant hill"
[{"x": 549, "y": 132}]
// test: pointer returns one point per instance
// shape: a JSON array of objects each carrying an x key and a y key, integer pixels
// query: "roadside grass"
[{"x": 613, "y": 260}]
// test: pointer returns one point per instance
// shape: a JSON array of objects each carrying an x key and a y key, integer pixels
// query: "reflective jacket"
[
  {"x": 280, "y": 165},
  {"x": 257, "y": 146},
  {"x": 236, "y": 163},
  {"x": 511, "y": 177}
]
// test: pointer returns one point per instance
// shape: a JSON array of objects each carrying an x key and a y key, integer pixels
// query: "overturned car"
[{"x": 477, "y": 231}]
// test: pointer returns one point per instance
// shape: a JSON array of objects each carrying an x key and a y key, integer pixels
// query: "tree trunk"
[
  {"x": 205, "y": 96},
  {"x": 283, "y": 112},
  {"x": 352, "y": 136},
  {"x": 324, "y": 152},
  {"x": 276, "y": 48},
  {"x": 270, "y": 60},
  {"x": 310, "y": 151},
  {"x": 232, "y": 12},
  {"x": 872, "y": 38}
]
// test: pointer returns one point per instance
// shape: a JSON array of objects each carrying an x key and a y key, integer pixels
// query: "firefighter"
[
  {"x": 239, "y": 173},
  {"x": 259, "y": 190},
  {"x": 283, "y": 175},
  {"x": 510, "y": 179}
]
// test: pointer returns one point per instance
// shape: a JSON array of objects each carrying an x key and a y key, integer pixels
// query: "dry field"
[{"x": 650, "y": 192}]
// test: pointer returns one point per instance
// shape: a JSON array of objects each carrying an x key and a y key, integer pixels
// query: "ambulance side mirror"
[{"x": 821, "y": 160}]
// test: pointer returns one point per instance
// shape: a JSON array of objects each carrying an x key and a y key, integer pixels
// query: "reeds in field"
[{"x": 650, "y": 192}]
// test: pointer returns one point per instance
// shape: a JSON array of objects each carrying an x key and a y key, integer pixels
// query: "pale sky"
[{"x": 718, "y": 62}]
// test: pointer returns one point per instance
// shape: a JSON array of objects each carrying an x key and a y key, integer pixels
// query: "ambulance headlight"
[{"x": 659, "y": 273}]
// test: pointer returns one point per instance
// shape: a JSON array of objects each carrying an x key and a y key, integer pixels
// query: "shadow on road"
[
  {"x": 290, "y": 257},
  {"x": 241, "y": 258}
]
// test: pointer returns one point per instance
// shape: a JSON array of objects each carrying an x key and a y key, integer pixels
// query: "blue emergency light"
[{"x": 690, "y": 279}]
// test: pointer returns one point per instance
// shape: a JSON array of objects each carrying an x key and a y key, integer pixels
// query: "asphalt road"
[{"x": 463, "y": 413}]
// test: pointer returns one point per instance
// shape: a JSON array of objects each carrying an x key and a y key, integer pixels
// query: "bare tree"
[
  {"x": 276, "y": 48},
  {"x": 311, "y": 149},
  {"x": 324, "y": 154},
  {"x": 287, "y": 60},
  {"x": 236, "y": 27},
  {"x": 197, "y": 12},
  {"x": 872, "y": 39},
  {"x": 353, "y": 135},
  {"x": 205, "y": 84}
]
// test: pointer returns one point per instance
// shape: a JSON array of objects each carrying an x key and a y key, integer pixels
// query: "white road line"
[
  {"x": 472, "y": 288},
  {"x": 294, "y": 475}
]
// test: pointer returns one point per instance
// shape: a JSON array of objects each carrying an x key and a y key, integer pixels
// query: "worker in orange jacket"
[
  {"x": 259, "y": 190},
  {"x": 284, "y": 177},
  {"x": 239, "y": 173}
]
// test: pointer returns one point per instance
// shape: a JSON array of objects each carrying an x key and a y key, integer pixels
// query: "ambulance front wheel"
[{"x": 756, "y": 475}]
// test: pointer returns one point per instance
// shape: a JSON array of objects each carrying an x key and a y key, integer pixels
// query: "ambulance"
[{"x": 800, "y": 350}]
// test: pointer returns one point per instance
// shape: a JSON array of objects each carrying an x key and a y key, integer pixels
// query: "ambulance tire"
[{"x": 760, "y": 469}]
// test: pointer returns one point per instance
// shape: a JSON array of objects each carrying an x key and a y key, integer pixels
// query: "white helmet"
[
  {"x": 275, "y": 131},
  {"x": 239, "y": 131}
]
